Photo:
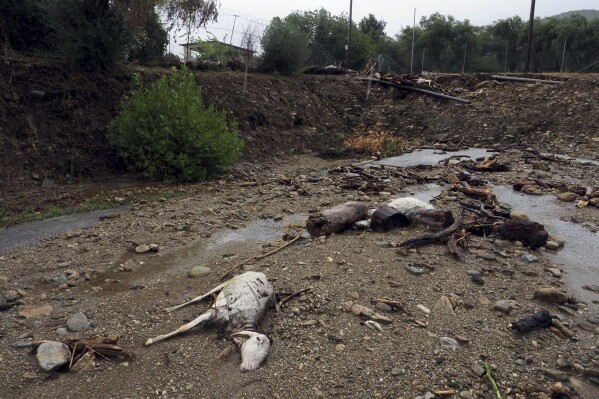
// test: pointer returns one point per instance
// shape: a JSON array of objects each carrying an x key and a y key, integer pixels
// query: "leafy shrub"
[
  {"x": 151, "y": 42},
  {"x": 91, "y": 33},
  {"x": 285, "y": 48},
  {"x": 166, "y": 131}
]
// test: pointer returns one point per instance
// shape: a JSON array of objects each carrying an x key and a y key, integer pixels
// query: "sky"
[{"x": 397, "y": 13}]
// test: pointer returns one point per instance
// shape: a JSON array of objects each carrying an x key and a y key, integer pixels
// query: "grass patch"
[{"x": 8, "y": 219}]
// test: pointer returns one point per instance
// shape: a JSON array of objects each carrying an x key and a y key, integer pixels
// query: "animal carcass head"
[{"x": 254, "y": 348}]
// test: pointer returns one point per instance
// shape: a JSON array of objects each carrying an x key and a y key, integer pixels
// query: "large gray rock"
[
  {"x": 52, "y": 354},
  {"x": 78, "y": 322}
]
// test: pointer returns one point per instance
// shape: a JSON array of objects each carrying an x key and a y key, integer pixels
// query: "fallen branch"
[
  {"x": 297, "y": 293},
  {"x": 255, "y": 257},
  {"x": 454, "y": 250},
  {"x": 440, "y": 237}
]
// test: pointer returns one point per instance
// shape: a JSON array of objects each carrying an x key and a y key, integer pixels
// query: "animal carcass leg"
[
  {"x": 205, "y": 317},
  {"x": 198, "y": 298}
]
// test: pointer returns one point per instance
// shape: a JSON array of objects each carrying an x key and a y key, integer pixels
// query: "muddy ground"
[{"x": 321, "y": 349}]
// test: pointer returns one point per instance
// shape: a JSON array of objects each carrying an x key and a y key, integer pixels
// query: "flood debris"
[
  {"x": 526, "y": 80},
  {"x": 240, "y": 305},
  {"x": 336, "y": 219},
  {"x": 530, "y": 234},
  {"x": 561, "y": 391},
  {"x": 77, "y": 355},
  {"x": 538, "y": 321}
]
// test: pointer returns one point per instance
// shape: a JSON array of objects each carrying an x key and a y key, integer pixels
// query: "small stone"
[
  {"x": 395, "y": 371},
  {"x": 154, "y": 247},
  {"x": 478, "y": 280},
  {"x": 198, "y": 271},
  {"x": 417, "y": 271},
  {"x": 142, "y": 249},
  {"x": 383, "y": 306},
  {"x": 477, "y": 369},
  {"x": 423, "y": 308},
  {"x": 52, "y": 354},
  {"x": 555, "y": 272},
  {"x": 556, "y": 374},
  {"x": 503, "y": 306},
  {"x": 563, "y": 363},
  {"x": 444, "y": 306},
  {"x": 339, "y": 347},
  {"x": 466, "y": 395},
  {"x": 473, "y": 272},
  {"x": 3, "y": 279},
  {"x": 78, "y": 322},
  {"x": 554, "y": 238},
  {"x": 518, "y": 215},
  {"x": 447, "y": 342},
  {"x": 552, "y": 295},
  {"x": 567, "y": 197},
  {"x": 486, "y": 256},
  {"x": 552, "y": 245},
  {"x": 61, "y": 331},
  {"x": 530, "y": 258},
  {"x": 86, "y": 362}
]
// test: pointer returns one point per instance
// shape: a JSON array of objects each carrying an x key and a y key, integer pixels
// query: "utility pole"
[
  {"x": 231, "y": 40},
  {"x": 348, "y": 61},
  {"x": 413, "y": 37},
  {"x": 423, "y": 52},
  {"x": 528, "y": 47},
  {"x": 464, "y": 63},
  {"x": 563, "y": 57}
]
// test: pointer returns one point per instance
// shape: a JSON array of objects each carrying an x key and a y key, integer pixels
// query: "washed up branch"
[
  {"x": 528, "y": 80},
  {"x": 440, "y": 237},
  {"x": 256, "y": 257},
  {"x": 416, "y": 89},
  {"x": 491, "y": 380}
]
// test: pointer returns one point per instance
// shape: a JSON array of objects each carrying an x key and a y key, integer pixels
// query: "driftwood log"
[
  {"x": 440, "y": 237},
  {"x": 336, "y": 219},
  {"x": 530, "y": 234},
  {"x": 436, "y": 219}
]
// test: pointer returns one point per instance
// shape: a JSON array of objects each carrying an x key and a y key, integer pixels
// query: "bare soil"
[{"x": 320, "y": 348}]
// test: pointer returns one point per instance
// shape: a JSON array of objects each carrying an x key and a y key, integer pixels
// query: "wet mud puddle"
[{"x": 223, "y": 248}]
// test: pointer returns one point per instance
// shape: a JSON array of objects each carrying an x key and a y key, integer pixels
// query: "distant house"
[{"x": 214, "y": 50}]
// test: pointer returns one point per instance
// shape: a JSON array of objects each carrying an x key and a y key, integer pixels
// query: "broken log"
[
  {"x": 436, "y": 219},
  {"x": 418, "y": 90},
  {"x": 490, "y": 165},
  {"x": 336, "y": 219},
  {"x": 386, "y": 218},
  {"x": 528, "y": 80},
  {"x": 479, "y": 192},
  {"x": 530, "y": 234}
]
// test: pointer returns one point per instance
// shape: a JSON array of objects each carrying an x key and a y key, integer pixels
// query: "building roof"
[{"x": 197, "y": 46}]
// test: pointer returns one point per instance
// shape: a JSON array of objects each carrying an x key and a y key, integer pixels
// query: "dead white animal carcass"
[
  {"x": 422, "y": 212},
  {"x": 239, "y": 307}
]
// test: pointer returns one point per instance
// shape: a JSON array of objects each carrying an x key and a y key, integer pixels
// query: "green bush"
[
  {"x": 166, "y": 131},
  {"x": 91, "y": 33},
  {"x": 285, "y": 48}
]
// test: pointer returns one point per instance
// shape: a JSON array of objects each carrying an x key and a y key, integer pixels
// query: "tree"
[
  {"x": 372, "y": 26},
  {"x": 285, "y": 47},
  {"x": 249, "y": 41},
  {"x": 189, "y": 14}
]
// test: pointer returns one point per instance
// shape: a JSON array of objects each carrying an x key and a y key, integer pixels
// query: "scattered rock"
[
  {"x": 503, "y": 306},
  {"x": 444, "y": 305},
  {"x": 198, "y": 271},
  {"x": 154, "y": 247},
  {"x": 3, "y": 279},
  {"x": 447, "y": 342},
  {"x": 551, "y": 245},
  {"x": 78, "y": 322},
  {"x": 555, "y": 272},
  {"x": 477, "y": 369},
  {"x": 554, "y": 238},
  {"x": 530, "y": 258},
  {"x": 32, "y": 312},
  {"x": 52, "y": 354},
  {"x": 556, "y": 374},
  {"x": 142, "y": 249},
  {"x": 86, "y": 362},
  {"x": 552, "y": 295},
  {"x": 61, "y": 331},
  {"x": 417, "y": 271},
  {"x": 567, "y": 196},
  {"x": 518, "y": 215}
]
